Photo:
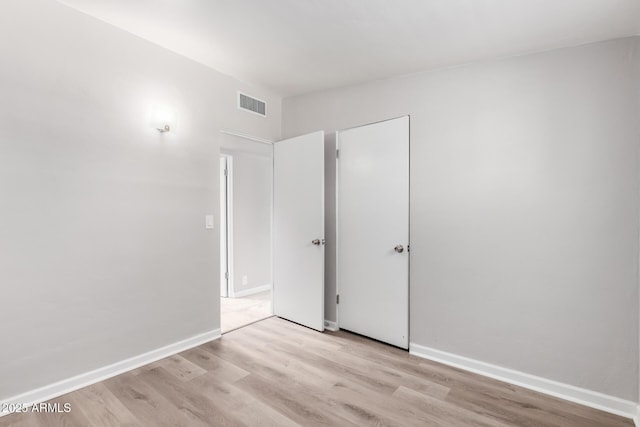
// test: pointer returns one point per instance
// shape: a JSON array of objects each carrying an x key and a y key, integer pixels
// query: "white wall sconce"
[{"x": 163, "y": 119}]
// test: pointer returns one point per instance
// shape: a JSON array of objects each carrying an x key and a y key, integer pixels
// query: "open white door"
[
  {"x": 298, "y": 230},
  {"x": 373, "y": 230}
]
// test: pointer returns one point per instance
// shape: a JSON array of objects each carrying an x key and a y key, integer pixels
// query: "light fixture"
[{"x": 163, "y": 119}]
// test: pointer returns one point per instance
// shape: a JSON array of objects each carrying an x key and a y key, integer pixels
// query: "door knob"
[
  {"x": 399, "y": 249},
  {"x": 318, "y": 242}
]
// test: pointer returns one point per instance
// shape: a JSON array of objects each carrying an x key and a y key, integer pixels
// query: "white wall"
[
  {"x": 252, "y": 197},
  {"x": 103, "y": 250},
  {"x": 524, "y": 207}
]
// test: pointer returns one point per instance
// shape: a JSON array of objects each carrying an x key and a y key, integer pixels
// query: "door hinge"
[
  {"x": 408, "y": 248},
  {"x": 338, "y": 299},
  {"x": 337, "y": 154},
  {"x": 226, "y": 172},
  {"x": 226, "y": 275}
]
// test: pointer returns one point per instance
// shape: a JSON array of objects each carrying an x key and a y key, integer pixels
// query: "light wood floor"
[
  {"x": 237, "y": 312},
  {"x": 276, "y": 373}
]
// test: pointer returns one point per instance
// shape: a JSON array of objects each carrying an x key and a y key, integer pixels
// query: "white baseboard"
[
  {"x": 251, "y": 291},
  {"x": 83, "y": 380},
  {"x": 330, "y": 326},
  {"x": 636, "y": 419},
  {"x": 579, "y": 395}
]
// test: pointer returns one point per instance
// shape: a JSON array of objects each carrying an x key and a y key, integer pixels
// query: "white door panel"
[
  {"x": 373, "y": 218},
  {"x": 298, "y": 264}
]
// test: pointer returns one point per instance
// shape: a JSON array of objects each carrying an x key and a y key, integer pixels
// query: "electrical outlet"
[{"x": 245, "y": 280}]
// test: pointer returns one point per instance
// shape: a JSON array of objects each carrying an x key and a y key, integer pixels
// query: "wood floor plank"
[
  {"x": 527, "y": 412},
  {"x": 295, "y": 367},
  {"x": 277, "y": 373},
  {"x": 208, "y": 361},
  {"x": 304, "y": 407},
  {"x": 199, "y": 409},
  {"x": 296, "y": 333},
  {"x": 180, "y": 367},
  {"x": 102, "y": 408},
  {"x": 379, "y": 406},
  {"x": 234, "y": 352},
  {"x": 444, "y": 412},
  {"x": 151, "y": 407},
  {"x": 243, "y": 405},
  {"x": 20, "y": 420}
]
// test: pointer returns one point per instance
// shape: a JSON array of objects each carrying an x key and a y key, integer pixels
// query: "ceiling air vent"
[{"x": 252, "y": 105}]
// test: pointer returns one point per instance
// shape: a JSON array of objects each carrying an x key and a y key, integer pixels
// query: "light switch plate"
[{"x": 208, "y": 222}]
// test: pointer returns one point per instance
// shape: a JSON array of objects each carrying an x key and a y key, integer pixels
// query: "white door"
[
  {"x": 373, "y": 230},
  {"x": 298, "y": 230}
]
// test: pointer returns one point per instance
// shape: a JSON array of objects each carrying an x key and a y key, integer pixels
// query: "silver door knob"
[
  {"x": 399, "y": 249},
  {"x": 318, "y": 242}
]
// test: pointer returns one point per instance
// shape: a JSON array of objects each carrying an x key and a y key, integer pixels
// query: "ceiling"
[{"x": 299, "y": 46}]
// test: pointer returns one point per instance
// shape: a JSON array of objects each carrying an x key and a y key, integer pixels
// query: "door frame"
[
  {"x": 337, "y": 216},
  {"x": 228, "y": 212}
]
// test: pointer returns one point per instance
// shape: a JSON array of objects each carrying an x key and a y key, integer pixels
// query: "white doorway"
[
  {"x": 246, "y": 196},
  {"x": 279, "y": 188},
  {"x": 373, "y": 230}
]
